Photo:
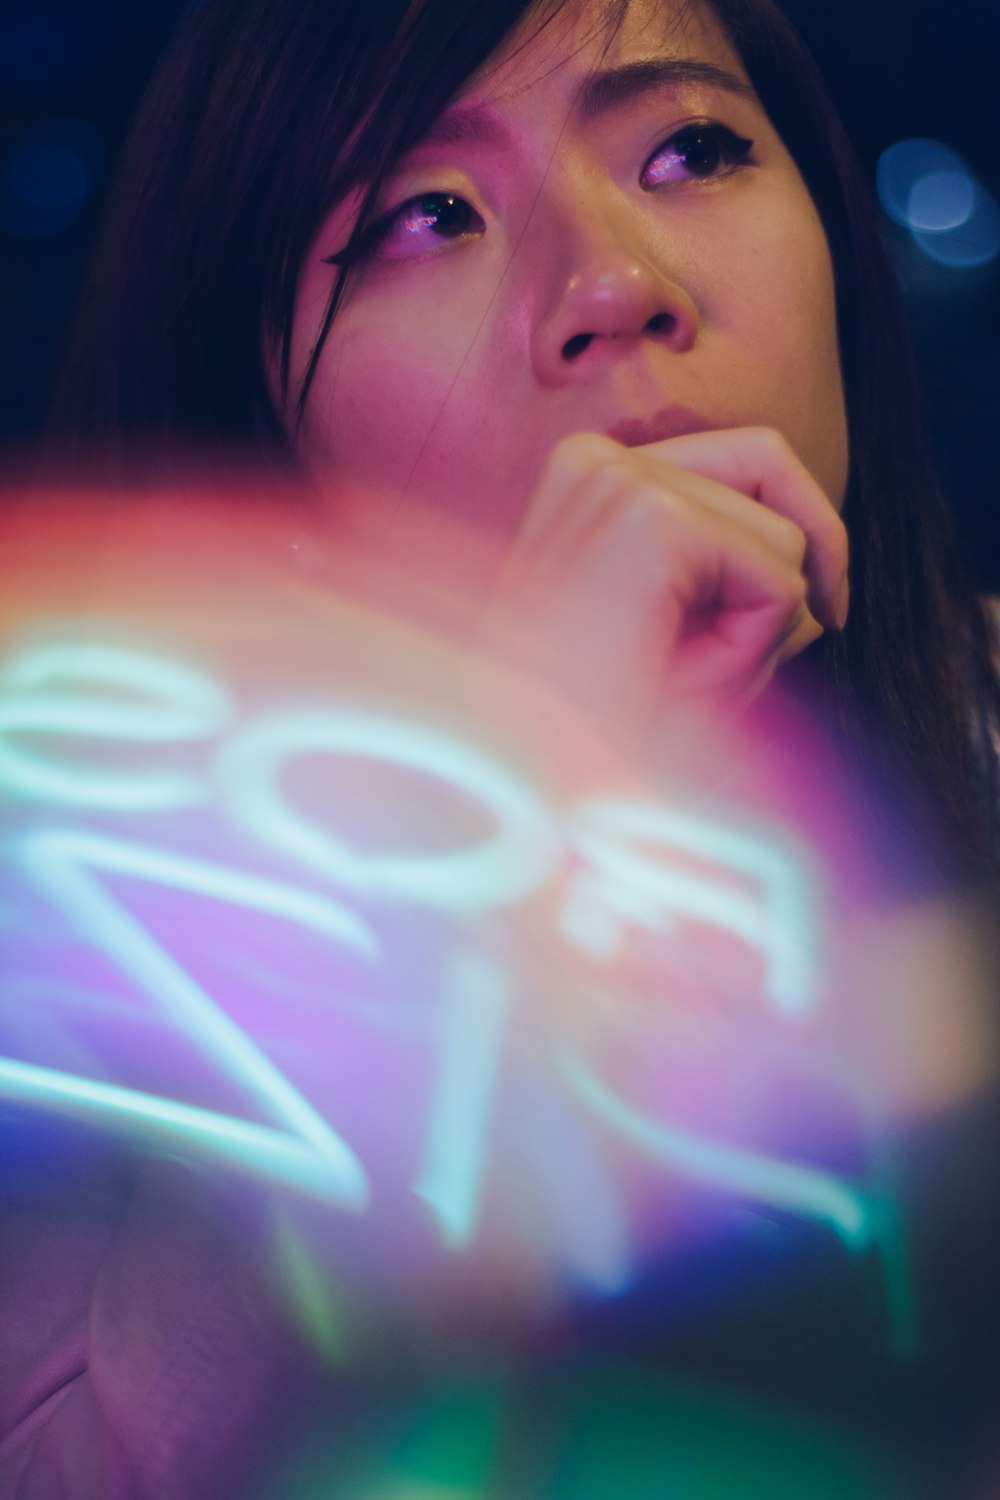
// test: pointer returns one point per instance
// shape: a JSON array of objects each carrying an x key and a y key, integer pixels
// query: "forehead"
[{"x": 562, "y": 44}]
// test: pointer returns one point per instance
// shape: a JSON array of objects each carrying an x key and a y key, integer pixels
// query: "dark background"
[{"x": 72, "y": 71}]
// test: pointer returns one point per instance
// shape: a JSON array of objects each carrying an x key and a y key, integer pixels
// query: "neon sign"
[{"x": 86, "y": 837}]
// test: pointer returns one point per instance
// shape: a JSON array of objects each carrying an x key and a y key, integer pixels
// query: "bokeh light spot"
[
  {"x": 975, "y": 242},
  {"x": 927, "y": 188},
  {"x": 47, "y": 177},
  {"x": 902, "y": 166},
  {"x": 941, "y": 200}
]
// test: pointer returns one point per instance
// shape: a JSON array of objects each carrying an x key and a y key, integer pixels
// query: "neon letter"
[
  {"x": 805, "y": 1191},
  {"x": 178, "y": 702},
  {"x": 505, "y": 868},
  {"x": 476, "y": 1002},
  {"x": 626, "y": 884},
  {"x": 307, "y": 1151}
]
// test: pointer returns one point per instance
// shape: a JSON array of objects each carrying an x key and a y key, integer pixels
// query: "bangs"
[{"x": 397, "y": 92}]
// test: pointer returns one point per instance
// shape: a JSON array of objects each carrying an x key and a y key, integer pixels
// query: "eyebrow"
[
  {"x": 614, "y": 86},
  {"x": 603, "y": 91}
]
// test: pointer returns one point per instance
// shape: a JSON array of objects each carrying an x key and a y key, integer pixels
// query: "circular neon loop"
[
  {"x": 176, "y": 703},
  {"x": 502, "y": 869},
  {"x": 192, "y": 702}
]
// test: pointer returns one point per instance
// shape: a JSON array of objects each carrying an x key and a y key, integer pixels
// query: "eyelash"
[
  {"x": 733, "y": 150},
  {"x": 733, "y": 153},
  {"x": 376, "y": 233}
]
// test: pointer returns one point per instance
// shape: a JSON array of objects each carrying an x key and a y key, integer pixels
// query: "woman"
[
  {"x": 601, "y": 281},
  {"x": 315, "y": 250}
]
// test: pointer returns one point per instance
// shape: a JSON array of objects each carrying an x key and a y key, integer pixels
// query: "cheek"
[
  {"x": 395, "y": 380},
  {"x": 386, "y": 414},
  {"x": 367, "y": 409},
  {"x": 794, "y": 334},
  {"x": 826, "y": 417},
  {"x": 411, "y": 411}
]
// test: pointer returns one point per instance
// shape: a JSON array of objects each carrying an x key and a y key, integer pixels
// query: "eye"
[
  {"x": 420, "y": 224},
  {"x": 696, "y": 153}
]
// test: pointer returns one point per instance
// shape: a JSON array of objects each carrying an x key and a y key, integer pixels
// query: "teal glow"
[
  {"x": 627, "y": 884},
  {"x": 178, "y": 703},
  {"x": 448, "y": 1452},
  {"x": 60, "y": 862},
  {"x": 679, "y": 1438},
  {"x": 506, "y": 868},
  {"x": 475, "y": 1005},
  {"x": 142, "y": 862},
  {"x": 308, "y": 1287},
  {"x": 580, "y": 1196},
  {"x": 901, "y": 1300},
  {"x": 165, "y": 1123},
  {"x": 804, "y": 1191}
]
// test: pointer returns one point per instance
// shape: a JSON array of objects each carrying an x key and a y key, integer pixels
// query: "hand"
[{"x": 687, "y": 570}]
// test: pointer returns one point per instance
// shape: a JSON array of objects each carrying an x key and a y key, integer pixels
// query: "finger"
[
  {"x": 588, "y": 472},
  {"x": 740, "y": 604},
  {"x": 783, "y": 536},
  {"x": 596, "y": 497},
  {"x": 759, "y": 463},
  {"x": 631, "y": 573},
  {"x": 586, "y": 461}
]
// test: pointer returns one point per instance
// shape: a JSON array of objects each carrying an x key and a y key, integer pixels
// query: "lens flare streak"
[
  {"x": 476, "y": 1003},
  {"x": 60, "y": 864},
  {"x": 780, "y": 1184}
]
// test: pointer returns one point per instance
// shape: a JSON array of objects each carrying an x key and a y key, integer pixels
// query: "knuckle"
[
  {"x": 635, "y": 492},
  {"x": 579, "y": 454},
  {"x": 798, "y": 594},
  {"x": 841, "y": 537},
  {"x": 834, "y": 540},
  {"x": 790, "y": 535},
  {"x": 791, "y": 594},
  {"x": 773, "y": 443},
  {"x": 647, "y": 504}
]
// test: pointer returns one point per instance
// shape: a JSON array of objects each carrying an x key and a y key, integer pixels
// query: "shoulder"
[{"x": 146, "y": 1351}]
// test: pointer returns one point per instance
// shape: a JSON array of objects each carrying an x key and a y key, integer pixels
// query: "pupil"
[
  {"x": 700, "y": 152},
  {"x": 450, "y": 215}
]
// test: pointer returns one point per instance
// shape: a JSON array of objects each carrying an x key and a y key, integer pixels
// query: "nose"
[{"x": 610, "y": 293}]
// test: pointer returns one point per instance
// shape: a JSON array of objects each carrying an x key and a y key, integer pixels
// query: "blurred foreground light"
[
  {"x": 47, "y": 177},
  {"x": 327, "y": 920},
  {"x": 927, "y": 188}
]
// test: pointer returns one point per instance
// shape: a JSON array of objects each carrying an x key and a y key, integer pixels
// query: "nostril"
[
  {"x": 576, "y": 345},
  {"x": 662, "y": 323}
]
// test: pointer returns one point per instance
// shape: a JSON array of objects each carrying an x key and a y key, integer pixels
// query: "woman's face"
[{"x": 604, "y": 238}]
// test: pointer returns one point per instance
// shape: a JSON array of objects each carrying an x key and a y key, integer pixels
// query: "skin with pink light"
[{"x": 595, "y": 317}]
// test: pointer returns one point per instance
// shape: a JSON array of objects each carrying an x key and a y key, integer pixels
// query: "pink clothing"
[{"x": 144, "y": 1356}]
